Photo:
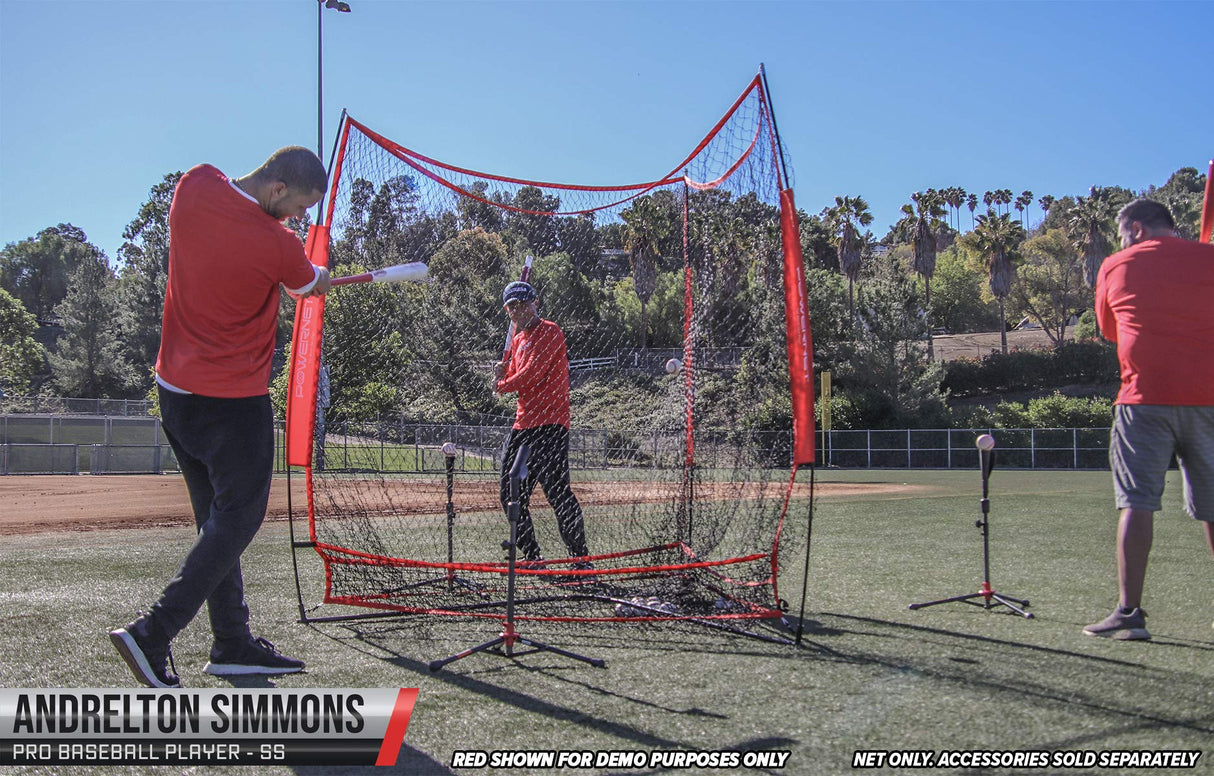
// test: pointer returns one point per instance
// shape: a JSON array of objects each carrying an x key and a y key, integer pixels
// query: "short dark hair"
[
  {"x": 1148, "y": 212},
  {"x": 297, "y": 167}
]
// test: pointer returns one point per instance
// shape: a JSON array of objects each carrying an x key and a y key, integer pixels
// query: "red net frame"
[{"x": 737, "y": 168}]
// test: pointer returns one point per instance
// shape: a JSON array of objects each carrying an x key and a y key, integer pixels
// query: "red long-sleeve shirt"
[
  {"x": 538, "y": 370},
  {"x": 1155, "y": 300}
]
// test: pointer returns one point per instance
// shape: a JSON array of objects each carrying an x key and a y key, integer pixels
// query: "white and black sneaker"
[
  {"x": 249, "y": 656},
  {"x": 146, "y": 653}
]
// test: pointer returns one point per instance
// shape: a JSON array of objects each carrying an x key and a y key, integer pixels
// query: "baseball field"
[{"x": 82, "y": 554}]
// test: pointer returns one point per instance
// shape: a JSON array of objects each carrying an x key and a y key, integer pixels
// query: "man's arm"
[
  {"x": 320, "y": 285},
  {"x": 1104, "y": 311}
]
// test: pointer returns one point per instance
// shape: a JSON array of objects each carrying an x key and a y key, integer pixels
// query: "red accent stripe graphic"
[{"x": 397, "y": 725}]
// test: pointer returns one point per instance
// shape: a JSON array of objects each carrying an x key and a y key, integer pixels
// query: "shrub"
[
  {"x": 1034, "y": 369},
  {"x": 1056, "y": 411}
]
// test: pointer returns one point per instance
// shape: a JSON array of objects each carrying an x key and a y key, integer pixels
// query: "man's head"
[
  {"x": 1144, "y": 219},
  {"x": 520, "y": 301},
  {"x": 292, "y": 180}
]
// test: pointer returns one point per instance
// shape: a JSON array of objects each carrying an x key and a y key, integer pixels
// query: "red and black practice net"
[{"x": 687, "y": 367}]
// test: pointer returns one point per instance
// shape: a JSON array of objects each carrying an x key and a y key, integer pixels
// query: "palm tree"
[
  {"x": 954, "y": 197},
  {"x": 1089, "y": 223},
  {"x": 644, "y": 230},
  {"x": 1004, "y": 197},
  {"x": 988, "y": 199},
  {"x": 972, "y": 203},
  {"x": 1022, "y": 202},
  {"x": 926, "y": 211},
  {"x": 1046, "y": 202},
  {"x": 844, "y": 221},
  {"x": 998, "y": 236}
]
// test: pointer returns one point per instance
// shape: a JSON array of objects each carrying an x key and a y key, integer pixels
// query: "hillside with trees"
[{"x": 74, "y": 323}]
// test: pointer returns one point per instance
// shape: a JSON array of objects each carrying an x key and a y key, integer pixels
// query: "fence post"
[
  {"x": 1075, "y": 447},
  {"x": 868, "y": 444},
  {"x": 1032, "y": 448},
  {"x": 908, "y": 449}
]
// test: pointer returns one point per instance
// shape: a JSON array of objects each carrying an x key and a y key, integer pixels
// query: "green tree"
[
  {"x": 997, "y": 237},
  {"x": 647, "y": 229},
  {"x": 844, "y": 221},
  {"x": 533, "y": 219},
  {"x": 21, "y": 355},
  {"x": 889, "y": 378},
  {"x": 479, "y": 209},
  {"x": 1046, "y": 202},
  {"x": 143, "y": 278},
  {"x": 1003, "y": 197},
  {"x": 1090, "y": 224},
  {"x": 1050, "y": 287},
  {"x": 972, "y": 203},
  {"x": 817, "y": 245},
  {"x": 957, "y": 304},
  {"x": 89, "y": 361},
  {"x": 826, "y": 299},
  {"x": 574, "y": 302},
  {"x": 37, "y": 270},
  {"x": 1022, "y": 203},
  {"x": 1183, "y": 195},
  {"x": 955, "y": 197},
  {"x": 925, "y": 213}
]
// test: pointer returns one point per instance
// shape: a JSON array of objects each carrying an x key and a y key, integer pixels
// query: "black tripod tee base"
[
  {"x": 990, "y": 599},
  {"x": 504, "y": 643}
]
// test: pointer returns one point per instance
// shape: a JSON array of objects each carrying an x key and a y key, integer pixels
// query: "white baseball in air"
[
  {"x": 985, "y": 442},
  {"x": 449, "y": 448},
  {"x": 673, "y": 365}
]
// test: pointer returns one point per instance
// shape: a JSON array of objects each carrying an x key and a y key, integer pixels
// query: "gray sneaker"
[{"x": 1121, "y": 626}]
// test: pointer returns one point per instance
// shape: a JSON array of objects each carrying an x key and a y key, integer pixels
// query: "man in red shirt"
[
  {"x": 537, "y": 368},
  {"x": 228, "y": 255},
  {"x": 1155, "y": 300}
]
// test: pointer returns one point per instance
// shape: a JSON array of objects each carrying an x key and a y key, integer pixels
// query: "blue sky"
[{"x": 99, "y": 100}]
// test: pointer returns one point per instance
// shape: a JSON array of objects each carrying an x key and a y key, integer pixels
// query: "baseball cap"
[{"x": 518, "y": 290}]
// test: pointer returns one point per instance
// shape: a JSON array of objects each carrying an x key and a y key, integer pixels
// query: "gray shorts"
[{"x": 1141, "y": 446}]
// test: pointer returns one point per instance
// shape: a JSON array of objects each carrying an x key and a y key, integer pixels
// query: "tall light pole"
[{"x": 321, "y": 5}]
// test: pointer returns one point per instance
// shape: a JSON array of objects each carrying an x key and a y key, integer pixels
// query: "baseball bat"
[{"x": 398, "y": 273}]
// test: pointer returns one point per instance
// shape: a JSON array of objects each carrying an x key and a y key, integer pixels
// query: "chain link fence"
[{"x": 59, "y": 443}]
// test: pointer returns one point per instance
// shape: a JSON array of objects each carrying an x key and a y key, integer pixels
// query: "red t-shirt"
[
  {"x": 227, "y": 257},
  {"x": 538, "y": 370},
  {"x": 1155, "y": 300}
]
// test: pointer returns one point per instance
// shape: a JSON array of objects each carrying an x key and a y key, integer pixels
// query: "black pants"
[
  {"x": 225, "y": 448},
  {"x": 548, "y": 465}
]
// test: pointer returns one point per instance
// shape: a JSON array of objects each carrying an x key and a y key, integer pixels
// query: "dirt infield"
[{"x": 52, "y": 503}]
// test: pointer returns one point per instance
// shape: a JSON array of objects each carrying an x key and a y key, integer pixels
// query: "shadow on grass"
[
  {"x": 1124, "y": 693},
  {"x": 1112, "y": 698}
]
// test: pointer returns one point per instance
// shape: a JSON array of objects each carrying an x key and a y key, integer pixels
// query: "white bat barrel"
[{"x": 400, "y": 273}]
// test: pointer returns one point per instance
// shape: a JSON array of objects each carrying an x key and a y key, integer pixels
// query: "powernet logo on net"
[
  {"x": 1085, "y": 759},
  {"x": 204, "y": 727}
]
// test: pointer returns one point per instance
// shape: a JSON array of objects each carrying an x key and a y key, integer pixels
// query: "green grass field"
[{"x": 870, "y": 674}]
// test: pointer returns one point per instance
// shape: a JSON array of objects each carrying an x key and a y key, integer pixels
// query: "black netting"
[{"x": 669, "y": 297}]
